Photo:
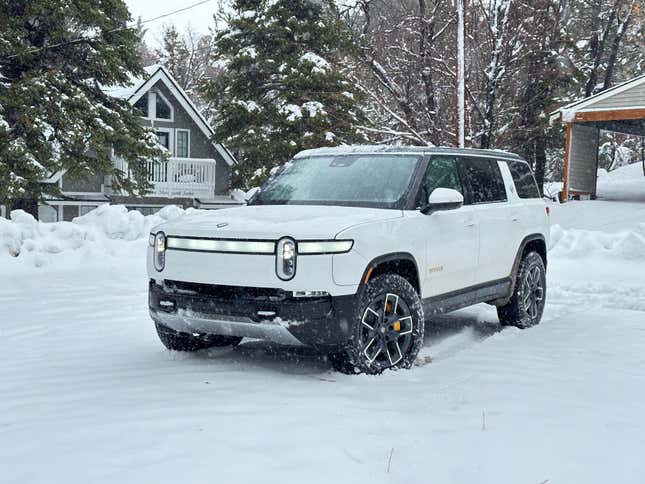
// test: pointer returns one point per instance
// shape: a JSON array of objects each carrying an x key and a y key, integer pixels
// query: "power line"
[{"x": 119, "y": 29}]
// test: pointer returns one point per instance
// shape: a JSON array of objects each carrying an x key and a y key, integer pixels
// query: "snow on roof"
[
  {"x": 126, "y": 91},
  {"x": 359, "y": 149}
]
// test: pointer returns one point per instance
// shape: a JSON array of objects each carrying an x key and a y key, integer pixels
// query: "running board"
[{"x": 451, "y": 301}]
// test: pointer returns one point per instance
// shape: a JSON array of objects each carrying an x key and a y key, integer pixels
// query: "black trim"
[
  {"x": 392, "y": 256},
  {"x": 518, "y": 256},
  {"x": 451, "y": 301},
  {"x": 323, "y": 321}
]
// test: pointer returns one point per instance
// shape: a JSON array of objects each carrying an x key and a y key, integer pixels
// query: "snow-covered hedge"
[{"x": 109, "y": 233}]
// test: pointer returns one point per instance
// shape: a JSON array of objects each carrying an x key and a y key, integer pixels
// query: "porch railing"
[{"x": 179, "y": 177}]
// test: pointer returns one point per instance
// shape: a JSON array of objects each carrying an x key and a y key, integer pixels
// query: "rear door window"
[
  {"x": 524, "y": 180},
  {"x": 483, "y": 180},
  {"x": 441, "y": 173}
]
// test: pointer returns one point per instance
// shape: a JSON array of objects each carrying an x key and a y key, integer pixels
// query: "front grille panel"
[{"x": 255, "y": 294}]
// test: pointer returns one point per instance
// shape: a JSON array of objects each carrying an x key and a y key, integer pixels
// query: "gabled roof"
[
  {"x": 586, "y": 104},
  {"x": 155, "y": 73}
]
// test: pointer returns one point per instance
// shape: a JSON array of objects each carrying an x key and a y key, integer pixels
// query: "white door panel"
[{"x": 451, "y": 249}]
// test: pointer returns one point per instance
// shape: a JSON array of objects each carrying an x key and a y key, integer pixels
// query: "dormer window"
[{"x": 155, "y": 106}]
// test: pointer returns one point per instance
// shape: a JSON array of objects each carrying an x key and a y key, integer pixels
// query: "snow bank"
[
  {"x": 107, "y": 234},
  {"x": 577, "y": 243}
]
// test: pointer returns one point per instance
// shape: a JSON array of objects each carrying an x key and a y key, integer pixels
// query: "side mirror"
[{"x": 443, "y": 199}]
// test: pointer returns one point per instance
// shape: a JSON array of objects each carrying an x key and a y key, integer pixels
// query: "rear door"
[
  {"x": 451, "y": 235},
  {"x": 486, "y": 194}
]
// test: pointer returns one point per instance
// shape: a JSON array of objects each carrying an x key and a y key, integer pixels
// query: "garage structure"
[{"x": 620, "y": 109}]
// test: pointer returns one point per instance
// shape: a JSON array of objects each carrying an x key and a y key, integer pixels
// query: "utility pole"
[{"x": 461, "y": 75}]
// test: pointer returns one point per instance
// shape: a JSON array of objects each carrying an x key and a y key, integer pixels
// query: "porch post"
[{"x": 564, "y": 195}]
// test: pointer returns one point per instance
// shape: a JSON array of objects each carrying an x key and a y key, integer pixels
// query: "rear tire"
[
  {"x": 177, "y": 341},
  {"x": 526, "y": 305},
  {"x": 388, "y": 328}
]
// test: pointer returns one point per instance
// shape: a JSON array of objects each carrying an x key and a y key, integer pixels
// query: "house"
[
  {"x": 620, "y": 109},
  {"x": 196, "y": 174}
]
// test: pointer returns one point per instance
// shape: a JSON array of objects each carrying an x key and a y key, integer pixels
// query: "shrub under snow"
[{"x": 109, "y": 231}]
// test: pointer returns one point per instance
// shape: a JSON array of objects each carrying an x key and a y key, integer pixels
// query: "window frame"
[
  {"x": 151, "y": 115},
  {"x": 468, "y": 190},
  {"x": 517, "y": 190},
  {"x": 182, "y": 130},
  {"x": 171, "y": 138},
  {"x": 416, "y": 192}
]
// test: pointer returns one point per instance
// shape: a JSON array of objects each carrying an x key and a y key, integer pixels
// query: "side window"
[
  {"x": 484, "y": 180},
  {"x": 523, "y": 178},
  {"x": 441, "y": 173}
]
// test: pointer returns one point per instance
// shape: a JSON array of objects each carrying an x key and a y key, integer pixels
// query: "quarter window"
[
  {"x": 441, "y": 173},
  {"x": 523, "y": 178},
  {"x": 484, "y": 180}
]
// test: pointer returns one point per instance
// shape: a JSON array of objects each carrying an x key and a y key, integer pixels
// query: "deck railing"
[{"x": 179, "y": 177}]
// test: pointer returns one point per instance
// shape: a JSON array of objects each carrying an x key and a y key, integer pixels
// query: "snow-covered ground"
[{"x": 88, "y": 394}]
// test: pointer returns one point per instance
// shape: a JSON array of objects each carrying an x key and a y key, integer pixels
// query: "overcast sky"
[{"x": 200, "y": 18}]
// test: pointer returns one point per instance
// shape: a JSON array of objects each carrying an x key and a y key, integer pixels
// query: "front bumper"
[{"x": 270, "y": 314}]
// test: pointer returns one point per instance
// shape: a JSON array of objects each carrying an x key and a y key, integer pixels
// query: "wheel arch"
[
  {"x": 531, "y": 243},
  {"x": 401, "y": 263}
]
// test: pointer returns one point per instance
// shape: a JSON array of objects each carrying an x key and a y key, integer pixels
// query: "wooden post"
[{"x": 565, "y": 172}]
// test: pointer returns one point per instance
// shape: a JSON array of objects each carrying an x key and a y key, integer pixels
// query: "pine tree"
[
  {"x": 54, "y": 58},
  {"x": 284, "y": 90}
]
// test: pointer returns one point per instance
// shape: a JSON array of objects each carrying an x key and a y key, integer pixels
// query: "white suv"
[{"x": 350, "y": 249}]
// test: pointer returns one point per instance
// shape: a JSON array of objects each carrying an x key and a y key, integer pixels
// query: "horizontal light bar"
[
  {"x": 221, "y": 245},
  {"x": 324, "y": 247}
]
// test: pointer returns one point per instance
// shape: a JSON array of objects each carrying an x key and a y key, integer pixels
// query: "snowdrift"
[
  {"x": 109, "y": 234},
  {"x": 577, "y": 243}
]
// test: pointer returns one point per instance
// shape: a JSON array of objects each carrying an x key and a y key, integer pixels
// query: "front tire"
[
  {"x": 388, "y": 328},
  {"x": 526, "y": 305},
  {"x": 176, "y": 341}
]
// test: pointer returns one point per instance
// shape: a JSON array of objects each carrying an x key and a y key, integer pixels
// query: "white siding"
[{"x": 630, "y": 98}]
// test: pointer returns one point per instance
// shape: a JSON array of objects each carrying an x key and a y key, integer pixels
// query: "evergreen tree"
[
  {"x": 54, "y": 58},
  {"x": 284, "y": 89}
]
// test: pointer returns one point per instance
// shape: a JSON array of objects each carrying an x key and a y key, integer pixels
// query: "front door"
[{"x": 451, "y": 236}]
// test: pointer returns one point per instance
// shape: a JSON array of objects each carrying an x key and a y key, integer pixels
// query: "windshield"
[{"x": 355, "y": 180}]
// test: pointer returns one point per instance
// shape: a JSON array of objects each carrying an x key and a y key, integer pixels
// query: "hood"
[{"x": 275, "y": 221}]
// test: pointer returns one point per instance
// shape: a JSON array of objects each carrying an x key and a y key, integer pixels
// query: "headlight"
[
  {"x": 324, "y": 247},
  {"x": 159, "y": 251},
  {"x": 285, "y": 259}
]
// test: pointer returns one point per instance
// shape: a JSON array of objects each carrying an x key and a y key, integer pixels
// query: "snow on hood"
[{"x": 275, "y": 221}]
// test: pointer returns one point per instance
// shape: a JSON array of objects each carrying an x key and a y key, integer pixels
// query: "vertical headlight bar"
[
  {"x": 285, "y": 259},
  {"x": 159, "y": 251}
]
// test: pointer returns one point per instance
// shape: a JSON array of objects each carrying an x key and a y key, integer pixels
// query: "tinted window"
[
  {"x": 441, "y": 173},
  {"x": 484, "y": 180},
  {"x": 523, "y": 178}
]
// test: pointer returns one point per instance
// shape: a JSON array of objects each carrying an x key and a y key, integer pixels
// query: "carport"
[{"x": 620, "y": 109}]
